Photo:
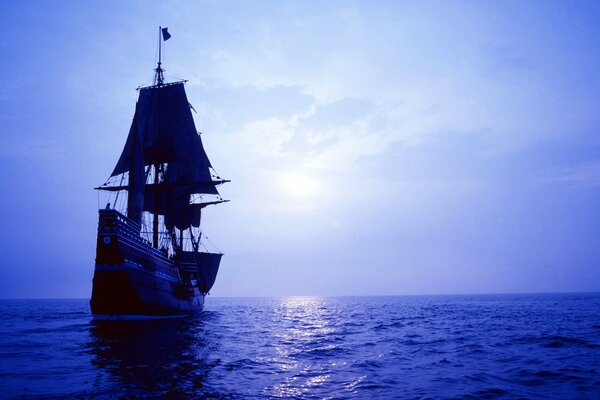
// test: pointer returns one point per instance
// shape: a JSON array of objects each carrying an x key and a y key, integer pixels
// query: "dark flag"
[{"x": 166, "y": 34}]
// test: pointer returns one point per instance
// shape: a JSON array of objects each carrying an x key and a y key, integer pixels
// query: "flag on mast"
[{"x": 165, "y": 34}]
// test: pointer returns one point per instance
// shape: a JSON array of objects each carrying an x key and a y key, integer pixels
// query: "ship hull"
[
  {"x": 132, "y": 280},
  {"x": 130, "y": 294}
]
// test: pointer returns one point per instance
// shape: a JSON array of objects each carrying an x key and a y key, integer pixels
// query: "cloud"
[
  {"x": 227, "y": 108},
  {"x": 333, "y": 135},
  {"x": 326, "y": 136},
  {"x": 583, "y": 175}
]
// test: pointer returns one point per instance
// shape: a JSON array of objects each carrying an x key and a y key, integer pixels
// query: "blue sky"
[{"x": 374, "y": 147}]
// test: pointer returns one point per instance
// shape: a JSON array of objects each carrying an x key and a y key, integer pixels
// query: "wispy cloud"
[{"x": 584, "y": 175}]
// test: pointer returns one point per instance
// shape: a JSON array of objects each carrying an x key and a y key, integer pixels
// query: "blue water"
[{"x": 473, "y": 347}]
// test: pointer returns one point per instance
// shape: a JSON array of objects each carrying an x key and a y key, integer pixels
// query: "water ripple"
[{"x": 469, "y": 347}]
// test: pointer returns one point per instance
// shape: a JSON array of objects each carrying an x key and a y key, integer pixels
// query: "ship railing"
[{"x": 112, "y": 221}]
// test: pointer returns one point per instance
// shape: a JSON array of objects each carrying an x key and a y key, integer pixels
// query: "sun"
[{"x": 298, "y": 185}]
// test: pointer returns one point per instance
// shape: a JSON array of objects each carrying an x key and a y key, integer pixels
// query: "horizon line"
[{"x": 341, "y": 296}]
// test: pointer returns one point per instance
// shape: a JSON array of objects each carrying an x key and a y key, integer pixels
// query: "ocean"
[{"x": 540, "y": 346}]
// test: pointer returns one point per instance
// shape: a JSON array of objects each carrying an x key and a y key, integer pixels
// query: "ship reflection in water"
[{"x": 169, "y": 357}]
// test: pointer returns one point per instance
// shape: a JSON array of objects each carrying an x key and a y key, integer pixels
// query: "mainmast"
[{"x": 159, "y": 80}]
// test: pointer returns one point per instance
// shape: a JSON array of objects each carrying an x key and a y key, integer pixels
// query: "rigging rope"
[{"x": 211, "y": 243}]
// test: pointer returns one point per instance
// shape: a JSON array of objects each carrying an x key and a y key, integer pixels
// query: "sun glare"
[{"x": 298, "y": 185}]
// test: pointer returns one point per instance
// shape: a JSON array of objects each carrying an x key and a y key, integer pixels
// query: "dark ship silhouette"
[{"x": 149, "y": 261}]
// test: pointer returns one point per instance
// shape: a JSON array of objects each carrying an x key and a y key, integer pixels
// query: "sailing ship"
[{"x": 151, "y": 260}]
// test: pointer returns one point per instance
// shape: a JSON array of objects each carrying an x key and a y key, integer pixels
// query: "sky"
[{"x": 373, "y": 147}]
